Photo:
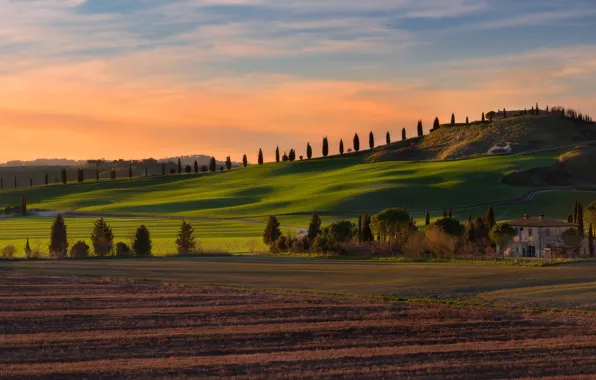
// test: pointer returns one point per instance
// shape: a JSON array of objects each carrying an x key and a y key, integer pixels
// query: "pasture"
[
  {"x": 565, "y": 286},
  {"x": 107, "y": 328}
]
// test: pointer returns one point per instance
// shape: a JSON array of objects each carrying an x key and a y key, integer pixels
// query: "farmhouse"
[{"x": 541, "y": 237}]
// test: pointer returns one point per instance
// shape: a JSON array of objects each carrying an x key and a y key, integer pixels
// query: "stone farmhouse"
[{"x": 542, "y": 237}]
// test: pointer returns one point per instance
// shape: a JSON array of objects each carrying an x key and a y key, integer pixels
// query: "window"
[{"x": 546, "y": 232}]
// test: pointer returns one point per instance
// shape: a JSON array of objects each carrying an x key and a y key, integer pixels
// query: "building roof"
[{"x": 540, "y": 222}]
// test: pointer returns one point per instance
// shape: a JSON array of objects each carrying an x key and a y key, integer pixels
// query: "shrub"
[
  {"x": 320, "y": 245},
  {"x": 142, "y": 244},
  {"x": 340, "y": 232},
  {"x": 501, "y": 234},
  {"x": 301, "y": 244},
  {"x": 80, "y": 250},
  {"x": 9, "y": 251},
  {"x": 450, "y": 226},
  {"x": 122, "y": 249},
  {"x": 439, "y": 243}
]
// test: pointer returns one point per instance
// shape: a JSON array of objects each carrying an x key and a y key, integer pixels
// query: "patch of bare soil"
[{"x": 64, "y": 327}]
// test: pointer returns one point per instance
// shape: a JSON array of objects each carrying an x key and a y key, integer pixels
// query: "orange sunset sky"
[{"x": 155, "y": 78}]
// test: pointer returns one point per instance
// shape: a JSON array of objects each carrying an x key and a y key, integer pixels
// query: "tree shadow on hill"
[{"x": 318, "y": 165}]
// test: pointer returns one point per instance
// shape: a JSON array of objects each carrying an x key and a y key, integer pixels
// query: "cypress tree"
[
  {"x": 444, "y": 213},
  {"x": 325, "y": 147},
  {"x": 58, "y": 238},
  {"x": 31, "y": 182},
  {"x": 580, "y": 220},
  {"x": 292, "y": 155},
  {"x": 427, "y": 218},
  {"x": 260, "y": 157},
  {"x": 575, "y": 213},
  {"x": 341, "y": 146},
  {"x": 452, "y": 119},
  {"x": 244, "y": 161},
  {"x": 272, "y": 231},
  {"x": 163, "y": 169},
  {"x": 142, "y": 244},
  {"x": 537, "y": 109},
  {"x": 403, "y": 134},
  {"x": 46, "y": 179},
  {"x": 277, "y": 154},
  {"x": 483, "y": 118},
  {"x": 179, "y": 167},
  {"x": 371, "y": 140},
  {"x": 436, "y": 124},
  {"x": 590, "y": 236},
  {"x": 547, "y": 111},
  {"x": 102, "y": 238},
  {"x": 185, "y": 243},
  {"x": 490, "y": 218},
  {"x": 450, "y": 214},
  {"x": 467, "y": 121},
  {"x": 130, "y": 170},
  {"x": 420, "y": 130},
  {"x": 356, "y": 143},
  {"x": 196, "y": 167},
  {"x": 308, "y": 151},
  {"x": 15, "y": 182},
  {"x": 388, "y": 138},
  {"x": 285, "y": 157},
  {"x": 367, "y": 234},
  {"x": 314, "y": 227},
  {"x": 82, "y": 176},
  {"x": 470, "y": 233},
  {"x": 360, "y": 228},
  {"x": 229, "y": 163},
  {"x": 113, "y": 174},
  {"x": 23, "y": 205},
  {"x": 504, "y": 113},
  {"x": 213, "y": 165},
  {"x": 470, "y": 216},
  {"x": 97, "y": 175},
  {"x": 28, "y": 248}
]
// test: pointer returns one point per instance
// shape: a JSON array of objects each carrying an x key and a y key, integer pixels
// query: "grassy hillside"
[
  {"x": 338, "y": 185},
  {"x": 525, "y": 133}
]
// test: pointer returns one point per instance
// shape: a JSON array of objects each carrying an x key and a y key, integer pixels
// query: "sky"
[{"x": 133, "y": 79}]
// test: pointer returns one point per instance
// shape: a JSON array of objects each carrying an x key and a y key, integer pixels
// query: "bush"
[
  {"x": 440, "y": 243},
  {"x": 320, "y": 245},
  {"x": 80, "y": 250},
  {"x": 300, "y": 245},
  {"x": 9, "y": 251},
  {"x": 142, "y": 244},
  {"x": 122, "y": 249},
  {"x": 340, "y": 232},
  {"x": 450, "y": 226}
]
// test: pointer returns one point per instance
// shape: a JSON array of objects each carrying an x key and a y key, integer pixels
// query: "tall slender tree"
[
  {"x": 277, "y": 154},
  {"x": 483, "y": 118},
  {"x": 58, "y": 238},
  {"x": 490, "y": 218},
  {"x": 420, "y": 130},
  {"x": 228, "y": 163},
  {"x": 272, "y": 231},
  {"x": 341, "y": 146},
  {"x": 325, "y": 147},
  {"x": 436, "y": 124},
  {"x": 46, "y": 179},
  {"x": 426, "y": 218},
  {"x": 213, "y": 165},
  {"x": 403, "y": 134},
  {"x": 292, "y": 155},
  {"x": 1, "y": 183},
  {"x": 23, "y": 205},
  {"x": 356, "y": 143},
  {"x": 31, "y": 182},
  {"x": 308, "y": 151},
  {"x": 130, "y": 170},
  {"x": 146, "y": 171},
  {"x": 244, "y": 161},
  {"x": 444, "y": 213},
  {"x": 470, "y": 216},
  {"x": 142, "y": 244},
  {"x": 314, "y": 227},
  {"x": 504, "y": 113},
  {"x": 102, "y": 238},
  {"x": 590, "y": 236},
  {"x": 260, "y": 157},
  {"x": 196, "y": 167},
  {"x": 452, "y": 119},
  {"x": 388, "y": 138},
  {"x": 179, "y": 166},
  {"x": 371, "y": 140},
  {"x": 450, "y": 214},
  {"x": 97, "y": 174},
  {"x": 15, "y": 182},
  {"x": 467, "y": 121},
  {"x": 537, "y": 109},
  {"x": 367, "y": 234},
  {"x": 163, "y": 169},
  {"x": 186, "y": 243},
  {"x": 580, "y": 220}
]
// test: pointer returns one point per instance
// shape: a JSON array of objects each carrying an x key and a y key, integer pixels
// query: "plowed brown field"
[{"x": 59, "y": 326}]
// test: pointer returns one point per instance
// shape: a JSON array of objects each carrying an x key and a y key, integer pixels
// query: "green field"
[
  {"x": 213, "y": 236},
  {"x": 565, "y": 286}
]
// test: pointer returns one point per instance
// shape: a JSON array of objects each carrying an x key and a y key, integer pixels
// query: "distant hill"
[{"x": 524, "y": 133}]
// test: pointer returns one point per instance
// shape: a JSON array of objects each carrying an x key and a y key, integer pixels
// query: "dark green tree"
[
  {"x": 244, "y": 161},
  {"x": 179, "y": 166},
  {"x": 142, "y": 244},
  {"x": 467, "y": 121},
  {"x": 490, "y": 218},
  {"x": 97, "y": 174},
  {"x": 444, "y": 213},
  {"x": 23, "y": 206},
  {"x": 272, "y": 231},
  {"x": 366, "y": 231},
  {"x": 15, "y": 182},
  {"x": 102, "y": 238},
  {"x": 185, "y": 243},
  {"x": 58, "y": 238},
  {"x": 1, "y": 183},
  {"x": 260, "y": 157},
  {"x": 277, "y": 154},
  {"x": 450, "y": 214},
  {"x": 196, "y": 167},
  {"x": 501, "y": 234},
  {"x": 452, "y": 119},
  {"x": 46, "y": 179},
  {"x": 356, "y": 143},
  {"x": 470, "y": 233},
  {"x": 64, "y": 177},
  {"x": 420, "y": 130},
  {"x": 28, "y": 249},
  {"x": 569, "y": 218},
  {"x": 371, "y": 140},
  {"x": 188, "y": 169},
  {"x": 504, "y": 113},
  {"x": 292, "y": 155},
  {"x": 403, "y": 134},
  {"x": 31, "y": 182},
  {"x": 537, "y": 109},
  {"x": 308, "y": 151},
  {"x": 436, "y": 124},
  {"x": 325, "y": 147},
  {"x": 580, "y": 220},
  {"x": 130, "y": 170},
  {"x": 450, "y": 226},
  {"x": 341, "y": 146},
  {"x": 285, "y": 157},
  {"x": 146, "y": 171},
  {"x": 314, "y": 227},
  {"x": 483, "y": 118},
  {"x": 229, "y": 163},
  {"x": 387, "y": 138},
  {"x": 470, "y": 216},
  {"x": 213, "y": 165},
  {"x": 426, "y": 218},
  {"x": 113, "y": 174}
]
